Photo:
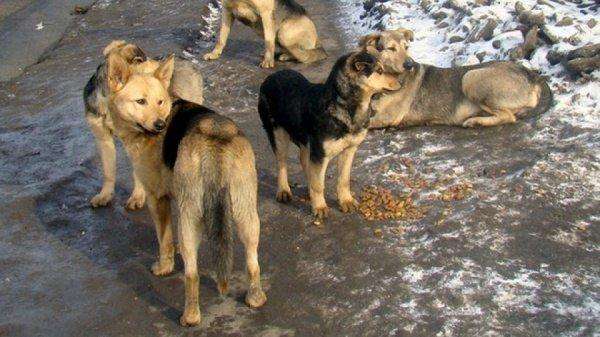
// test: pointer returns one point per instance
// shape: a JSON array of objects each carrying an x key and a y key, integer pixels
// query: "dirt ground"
[{"x": 517, "y": 255}]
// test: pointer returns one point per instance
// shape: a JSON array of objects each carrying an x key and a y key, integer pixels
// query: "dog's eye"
[
  {"x": 160, "y": 102},
  {"x": 141, "y": 101}
]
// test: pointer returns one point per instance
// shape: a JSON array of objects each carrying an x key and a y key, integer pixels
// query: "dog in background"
[
  {"x": 323, "y": 120},
  {"x": 202, "y": 160},
  {"x": 281, "y": 22},
  {"x": 186, "y": 84},
  {"x": 485, "y": 94}
]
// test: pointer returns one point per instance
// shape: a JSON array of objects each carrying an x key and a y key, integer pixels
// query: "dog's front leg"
[
  {"x": 268, "y": 23},
  {"x": 138, "y": 196},
  {"x": 160, "y": 210},
  {"x": 344, "y": 166},
  {"x": 108, "y": 155},
  {"x": 316, "y": 181},
  {"x": 226, "y": 22}
]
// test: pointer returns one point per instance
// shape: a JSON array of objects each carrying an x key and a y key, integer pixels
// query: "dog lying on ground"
[
  {"x": 281, "y": 22},
  {"x": 486, "y": 94},
  {"x": 202, "y": 160},
  {"x": 186, "y": 84},
  {"x": 323, "y": 120}
]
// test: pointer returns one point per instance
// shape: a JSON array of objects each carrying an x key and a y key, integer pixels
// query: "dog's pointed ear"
[
  {"x": 369, "y": 40},
  {"x": 133, "y": 54},
  {"x": 118, "y": 72},
  {"x": 406, "y": 33},
  {"x": 113, "y": 46},
  {"x": 363, "y": 62},
  {"x": 164, "y": 72}
]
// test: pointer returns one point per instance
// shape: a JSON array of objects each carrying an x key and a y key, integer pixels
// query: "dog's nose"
[
  {"x": 159, "y": 125},
  {"x": 408, "y": 64}
]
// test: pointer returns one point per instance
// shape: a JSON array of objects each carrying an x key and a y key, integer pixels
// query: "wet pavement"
[{"x": 517, "y": 256}]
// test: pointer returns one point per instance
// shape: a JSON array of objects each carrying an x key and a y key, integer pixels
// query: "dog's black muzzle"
[{"x": 409, "y": 64}]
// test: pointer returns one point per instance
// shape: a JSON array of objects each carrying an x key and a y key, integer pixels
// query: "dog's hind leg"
[
  {"x": 268, "y": 24},
  {"x": 226, "y": 22},
  {"x": 316, "y": 181},
  {"x": 307, "y": 55},
  {"x": 282, "y": 141},
  {"x": 298, "y": 36},
  {"x": 138, "y": 195},
  {"x": 499, "y": 116},
  {"x": 188, "y": 245},
  {"x": 106, "y": 147},
  {"x": 244, "y": 213},
  {"x": 160, "y": 210},
  {"x": 344, "y": 166}
]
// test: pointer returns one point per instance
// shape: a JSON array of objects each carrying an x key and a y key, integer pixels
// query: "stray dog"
[
  {"x": 186, "y": 84},
  {"x": 486, "y": 94},
  {"x": 284, "y": 22},
  {"x": 203, "y": 161},
  {"x": 323, "y": 120}
]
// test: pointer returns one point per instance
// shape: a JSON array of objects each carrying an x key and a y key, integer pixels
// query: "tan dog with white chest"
[{"x": 188, "y": 153}]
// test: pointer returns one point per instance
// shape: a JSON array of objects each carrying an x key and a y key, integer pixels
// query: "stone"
[
  {"x": 565, "y": 21},
  {"x": 554, "y": 57},
  {"x": 456, "y": 38},
  {"x": 531, "y": 19},
  {"x": 583, "y": 65}
]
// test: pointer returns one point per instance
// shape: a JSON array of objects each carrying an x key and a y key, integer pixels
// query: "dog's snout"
[
  {"x": 159, "y": 125},
  {"x": 408, "y": 64}
]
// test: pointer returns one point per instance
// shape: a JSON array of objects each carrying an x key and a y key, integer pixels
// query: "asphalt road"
[{"x": 517, "y": 256}]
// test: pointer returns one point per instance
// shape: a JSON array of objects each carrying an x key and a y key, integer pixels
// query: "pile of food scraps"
[{"x": 378, "y": 203}]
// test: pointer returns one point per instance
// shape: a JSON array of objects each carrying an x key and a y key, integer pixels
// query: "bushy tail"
[
  {"x": 546, "y": 99},
  {"x": 266, "y": 118},
  {"x": 219, "y": 231},
  {"x": 317, "y": 54},
  {"x": 545, "y": 102}
]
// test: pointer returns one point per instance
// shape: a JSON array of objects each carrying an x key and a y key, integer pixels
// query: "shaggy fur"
[
  {"x": 186, "y": 152},
  {"x": 282, "y": 23},
  {"x": 186, "y": 83},
  {"x": 323, "y": 120},
  {"x": 486, "y": 94}
]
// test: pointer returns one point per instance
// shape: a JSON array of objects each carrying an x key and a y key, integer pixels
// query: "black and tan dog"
[
  {"x": 281, "y": 22},
  {"x": 186, "y": 84},
  {"x": 323, "y": 120},
  {"x": 202, "y": 160},
  {"x": 486, "y": 94}
]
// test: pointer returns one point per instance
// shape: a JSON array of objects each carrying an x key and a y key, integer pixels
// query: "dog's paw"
[
  {"x": 256, "y": 298},
  {"x": 284, "y": 196},
  {"x": 136, "y": 201},
  {"x": 101, "y": 199},
  {"x": 163, "y": 268},
  {"x": 349, "y": 206},
  {"x": 321, "y": 212},
  {"x": 190, "y": 317},
  {"x": 211, "y": 56},
  {"x": 470, "y": 123},
  {"x": 267, "y": 63},
  {"x": 285, "y": 57}
]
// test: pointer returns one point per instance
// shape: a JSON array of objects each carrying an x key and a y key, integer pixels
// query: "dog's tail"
[
  {"x": 545, "y": 101},
  {"x": 308, "y": 55},
  {"x": 317, "y": 54},
  {"x": 546, "y": 98},
  {"x": 266, "y": 118},
  {"x": 218, "y": 226}
]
